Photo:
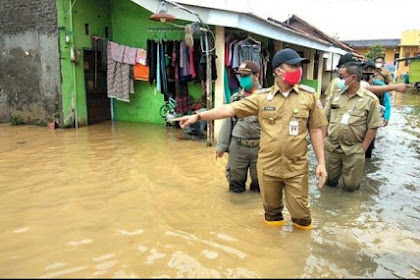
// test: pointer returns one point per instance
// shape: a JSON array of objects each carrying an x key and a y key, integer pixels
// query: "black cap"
[
  {"x": 288, "y": 56},
  {"x": 348, "y": 57},
  {"x": 368, "y": 63}
]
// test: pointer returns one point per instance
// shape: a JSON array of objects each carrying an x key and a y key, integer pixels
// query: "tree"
[{"x": 375, "y": 51}]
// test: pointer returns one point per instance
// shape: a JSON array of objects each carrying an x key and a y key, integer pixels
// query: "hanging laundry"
[
  {"x": 129, "y": 56},
  {"x": 141, "y": 72},
  {"x": 249, "y": 51},
  {"x": 151, "y": 57},
  {"x": 141, "y": 56},
  {"x": 158, "y": 72},
  {"x": 118, "y": 74},
  {"x": 117, "y": 52},
  {"x": 163, "y": 79},
  {"x": 203, "y": 68},
  {"x": 191, "y": 61}
]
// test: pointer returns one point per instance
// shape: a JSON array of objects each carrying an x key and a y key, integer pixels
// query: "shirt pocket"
[
  {"x": 269, "y": 117},
  {"x": 357, "y": 117},
  {"x": 334, "y": 115},
  {"x": 302, "y": 117}
]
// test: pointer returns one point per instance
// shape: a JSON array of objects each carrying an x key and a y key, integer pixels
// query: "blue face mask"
[
  {"x": 246, "y": 82},
  {"x": 342, "y": 85}
]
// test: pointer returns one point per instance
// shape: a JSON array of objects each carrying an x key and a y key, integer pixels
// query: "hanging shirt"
[
  {"x": 249, "y": 51},
  {"x": 235, "y": 55}
]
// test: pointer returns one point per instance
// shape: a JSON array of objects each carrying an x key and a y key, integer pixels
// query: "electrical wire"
[{"x": 71, "y": 7}]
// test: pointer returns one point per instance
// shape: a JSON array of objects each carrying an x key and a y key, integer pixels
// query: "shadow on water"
[{"x": 131, "y": 200}]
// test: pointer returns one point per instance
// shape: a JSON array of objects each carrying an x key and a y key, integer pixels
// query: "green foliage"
[
  {"x": 375, "y": 51},
  {"x": 16, "y": 120}
]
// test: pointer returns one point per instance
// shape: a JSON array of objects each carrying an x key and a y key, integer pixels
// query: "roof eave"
[{"x": 243, "y": 21}]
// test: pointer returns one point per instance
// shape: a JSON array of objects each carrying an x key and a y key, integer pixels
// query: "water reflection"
[{"x": 131, "y": 200}]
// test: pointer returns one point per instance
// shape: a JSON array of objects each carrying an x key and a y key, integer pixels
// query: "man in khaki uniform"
[
  {"x": 286, "y": 113},
  {"x": 381, "y": 73},
  {"x": 347, "y": 57},
  {"x": 354, "y": 116},
  {"x": 241, "y": 137}
]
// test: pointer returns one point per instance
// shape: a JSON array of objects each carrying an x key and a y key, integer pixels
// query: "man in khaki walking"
[
  {"x": 287, "y": 112},
  {"x": 354, "y": 116}
]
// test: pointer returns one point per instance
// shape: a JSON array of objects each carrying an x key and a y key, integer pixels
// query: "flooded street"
[{"x": 131, "y": 200}]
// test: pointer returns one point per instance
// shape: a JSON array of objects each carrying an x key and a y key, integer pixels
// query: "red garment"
[
  {"x": 182, "y": 103},
  {"x": 227, "y": 62}
]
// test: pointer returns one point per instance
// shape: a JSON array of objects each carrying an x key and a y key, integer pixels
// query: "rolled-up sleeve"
[
  {"x": 317, "y": 116},
  {"x": 374, "y": 119},
  {"x": 246, "y": 107}
]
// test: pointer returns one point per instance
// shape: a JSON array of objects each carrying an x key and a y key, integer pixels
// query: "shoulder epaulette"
[{"x": 307, "y": 88}]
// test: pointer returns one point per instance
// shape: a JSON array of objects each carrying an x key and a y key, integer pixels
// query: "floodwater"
[{"x": 129, "y": 200}]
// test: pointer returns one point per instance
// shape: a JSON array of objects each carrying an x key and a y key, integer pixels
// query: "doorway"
[{"x": 98, "y": 103}]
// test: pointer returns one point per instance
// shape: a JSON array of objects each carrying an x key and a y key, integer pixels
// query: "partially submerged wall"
[{"x": 30, "y": 86}]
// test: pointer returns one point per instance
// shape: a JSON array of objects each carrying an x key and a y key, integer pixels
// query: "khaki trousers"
[
  {"x": 350, "y": 168},
  {"x": 296, "y": 196}
]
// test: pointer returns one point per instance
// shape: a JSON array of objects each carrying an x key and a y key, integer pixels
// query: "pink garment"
[
  {"x": 141, "y": 56},
  {"x": 191, "y": 54},
  {"x": 130, "y": 56},
  {"x": 117, "y": 52}
]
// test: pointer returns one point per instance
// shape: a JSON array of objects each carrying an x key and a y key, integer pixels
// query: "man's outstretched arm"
[{"x": 225, "y": 111}]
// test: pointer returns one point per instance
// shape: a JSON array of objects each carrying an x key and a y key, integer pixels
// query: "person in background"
[
  {"x": 374, "y": 88},
  {"x": 286, "y": 112},
  {"x": 380, "y": 72},
  {"x": 384, "y": 99},
  {"x": 241, "y": 137},
  {"x": 354, "y": 116}
]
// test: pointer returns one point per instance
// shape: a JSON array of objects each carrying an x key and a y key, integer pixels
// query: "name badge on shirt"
[
  {"x": 269, "y": 108},
  {"x": 345, "y": 119},
  {"x": 293, "y": 127}
]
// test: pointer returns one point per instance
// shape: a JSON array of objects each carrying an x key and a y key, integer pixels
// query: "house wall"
[
  {"x": 130, "y": 23},
  {"x": 97, "y": 14},
  {"x": 389, "y": 53},
  {"x": 29, "y": 62},
  {"x": 410, "y": 46}
]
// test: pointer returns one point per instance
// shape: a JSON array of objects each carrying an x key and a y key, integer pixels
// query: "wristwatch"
[{"x": 199, "y": 116}]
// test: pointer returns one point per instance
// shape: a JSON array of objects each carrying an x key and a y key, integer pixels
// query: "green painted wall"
[
  {"x": 97, "y": 14},
  {"x": 129, "y": 27}
]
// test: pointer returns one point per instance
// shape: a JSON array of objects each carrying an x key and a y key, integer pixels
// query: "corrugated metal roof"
[
  {"x": 248, "y": 22},
  {"x": 369, "y": 43},
  {"x": 320, "y": 34}
]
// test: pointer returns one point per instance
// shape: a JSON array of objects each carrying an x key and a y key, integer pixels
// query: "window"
[
  {"x": 106, "y": 32},
  {"x": 396, "y": 56},
  {"x": 87, "y": 28}
]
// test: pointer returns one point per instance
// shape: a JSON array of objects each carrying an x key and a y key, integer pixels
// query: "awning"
[{"x": 246, "y": 22}]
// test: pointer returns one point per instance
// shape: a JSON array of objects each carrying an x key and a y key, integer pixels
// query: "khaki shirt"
[
  {"x": 282, "y": 155},
  {"x": 246, "y": 128},
  {"x": 364, "y": 113},
  {"x": 383, "y": 75},
  {"x": 332, "y": 86}
]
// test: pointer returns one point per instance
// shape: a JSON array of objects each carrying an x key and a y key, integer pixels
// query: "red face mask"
[{"x": 292, "y": 78}]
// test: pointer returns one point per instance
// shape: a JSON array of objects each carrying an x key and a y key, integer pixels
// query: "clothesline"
[{"x": 164, "y": 29}]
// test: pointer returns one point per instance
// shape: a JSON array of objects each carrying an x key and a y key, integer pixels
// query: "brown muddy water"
[{"x": 130, "y": 200}]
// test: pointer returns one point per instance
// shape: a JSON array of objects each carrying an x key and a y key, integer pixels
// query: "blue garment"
[
  {"x": 163, "y": 78},
  {"x": 158, "y": 85},
  {"x": 386, "y": 99}
]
